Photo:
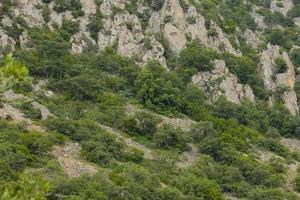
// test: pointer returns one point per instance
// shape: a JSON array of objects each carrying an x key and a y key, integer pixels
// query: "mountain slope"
[{"x": 149, "y": 99}]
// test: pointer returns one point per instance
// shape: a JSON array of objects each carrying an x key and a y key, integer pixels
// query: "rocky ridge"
[{"x": 174, "y": 23}]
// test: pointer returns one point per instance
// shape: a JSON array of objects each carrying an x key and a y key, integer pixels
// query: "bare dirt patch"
[{"x": 68, "y": 157}]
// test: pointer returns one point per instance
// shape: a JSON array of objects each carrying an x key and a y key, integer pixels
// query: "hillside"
[{"x": 149, "y": 99}]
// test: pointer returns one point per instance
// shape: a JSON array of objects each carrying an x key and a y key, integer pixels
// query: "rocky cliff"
[{"x": 149, "y": 30}]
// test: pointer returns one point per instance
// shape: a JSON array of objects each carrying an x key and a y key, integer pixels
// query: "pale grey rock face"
[
  {"x": 126, "y": 43},
  {"x": 44, "y": 111},
  {"x": 259, "y": 20},
  {"x": 81, "y": 42},
  {"x": 268, "y": 69},
  {"x": 249, "y": 93},
  {"x": 7, "y": 44},
  {"x": 173, "y": 8},
  {"x": 6, "y": 21},
  {"x": 10, "y": 95},
  {"x": 156, "y": 52},
  {"x": 273, "y": 81},
  {"x": 58, "y": 18},
  {"x": 252, "y": 38},
  {"x": 7, "y": 111},
  {"x": 290, "y": 99},
  {"x": 40, "y": 87},
  {"x": 175, "y": 38},
  {"x": 220, "y": 67},
  {"x": 89, "y": 7},
  {"x": 125, "y": 30},
  {"x": 232, "y": 90},
  {"x": 286, "y": 6},
  {"x": 28, "y": 10},
  {"x": 24, "y": 39},
  {"x": 129, "y": 41},
  {"x": 103, "y": 40},
  {"x": 107, "y": 6},
  {"x": 197, "y": 30},
  {"x": 297, "y": 21},
  {"x": 220, "y": 42},
  {"x": 180, "y": 23},
  {"x": 267, "y": 60},
  {"x": 220, "y": 82}
]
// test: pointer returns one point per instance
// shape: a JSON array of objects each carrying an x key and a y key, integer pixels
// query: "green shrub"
[
  {"x": 295, "y": 56},
  {"x": 68, "y": 29},
  {"x": 168, "y": 137},
  {"x": 73, "y": 5},
  {"x": 95, "y": 24},
  {"x": 294, "y": 12},
  {"x": 103, "y": 148},
  {"x": 155, "y": 4},
  {"x": 197, "y": 57},
  {"x": 270, "y": 194},
  {"x": 281, "y": 66}
]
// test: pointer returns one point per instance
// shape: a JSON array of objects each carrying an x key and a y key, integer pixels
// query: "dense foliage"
[{"x": 95, "y": 90}]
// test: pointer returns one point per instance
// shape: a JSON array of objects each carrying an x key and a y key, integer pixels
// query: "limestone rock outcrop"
[
  {"x": 220, "y": 82},
  {"x": 273, "y": 80},
  {"x": 177, "y": 25},
  {"x": 252, "y": 38},
  {"x": 7, "y": 44},
  {"x": 282, "y": 6},
  {"x": 29, "y": 12}
]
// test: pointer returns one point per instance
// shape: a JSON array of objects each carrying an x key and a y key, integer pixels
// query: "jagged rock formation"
[
  {"x": 176, "y": 23},
  {"x": 29, "y": 12},
  {"x": 7, "y": 44},
  {"x": 9, "y": 112},
  {"x": 252, "y": 38},
  {"x": 125, "y": 30},
  {"x": 220, "y": 82},
  {"x": 285, "y": 6},
  {"x": 181, "y": 24},
  {"x": 274, "y": 80},
  {"x": 259, "y": 19}
]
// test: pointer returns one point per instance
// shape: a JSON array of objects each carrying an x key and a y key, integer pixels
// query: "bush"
[
  {"x": 68, "y": 29},
  {"x": 27, "y": 187},
  {"x": 13, "y": 68},
  {"x": 281, "y": 66},
  {"x": 95, "y": 25},
  {"x": 103, "y": 148},
  {"x": 270, "y": 194},
  {"x": 155, "y": 4},
  {"x": 48, "y": 54},
  {"x": 200, "y": 130},
  {"x": 297, "y": 183},
  {"x": 276, "y": 18},
  {"x": 274, "y": 146},
  {"x": 197, "y": 57},
  {"x": 295, "y": 56},
  {"x": 159, "y": 90},
  {"x": 201, "y": 188},
  {"x": 147, "y": 123},
  {"x": 169, "y": 137},
  {"x": 72, "y": 5},
  {"x": 294, "y": 12}
]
